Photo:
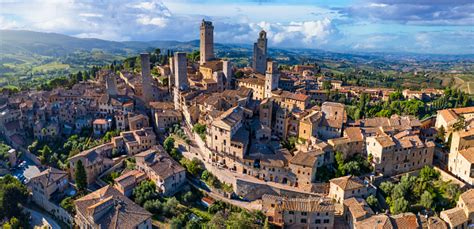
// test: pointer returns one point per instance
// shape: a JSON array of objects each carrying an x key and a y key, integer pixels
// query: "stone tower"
[
  {"x": 259, "y": 63},
  {"x": 147, "y": 81},
  {"x": 272, "y": 77},
  {"x": 206, "y": 41},
  {"x": 171, "y": 75},
  {"x": 111, "y": 84},
  {"x": 180, "y": 71},
  {"x": 227, "y": 70}
]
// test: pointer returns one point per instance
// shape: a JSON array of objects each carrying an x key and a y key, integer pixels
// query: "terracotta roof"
[
  {"x": 130, "y": 178},
  {"x": 111, "y": 209},
  {"x": 454, "y": 216},
  {"x": 254, "y": 81},
  {"x": 354, "y": 133},
  {"x": 406, "y": 221},
  {"x": 306, "y": 158},
  {"x": 380, "y": 221},
  {"x": 358, "y": 207},
  {"x": 385, "y": 141},
  {"x": 348, "y": 182},
  {"x": 468, "y": 197},
  {"x": 311, "y": 204},
  {"x": 468, "y": 154},
  {"x": 100, "y": 121},
  {"x": 436, "y": 223},
  {"x": 49, "y": 176},
  {"x": 160, "y": 163}
]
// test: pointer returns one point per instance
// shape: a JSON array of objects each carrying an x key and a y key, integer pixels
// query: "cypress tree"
[{"x": 81, "y": 176}]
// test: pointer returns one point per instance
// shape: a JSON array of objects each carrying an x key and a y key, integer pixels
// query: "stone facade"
[
  {"x": 168, "y": 175},
  {"x": 401, "y": 153},
  {"x": 259, "y": 61},
  {"x": 299, "y": 212},
  {"x": 206, "y": 41}
]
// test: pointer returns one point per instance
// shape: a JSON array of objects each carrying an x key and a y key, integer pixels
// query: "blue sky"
[{"x": 420, "y": 26}]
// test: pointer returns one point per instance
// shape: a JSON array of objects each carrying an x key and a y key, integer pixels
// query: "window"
[
  {"x": 303, "y": 220},
  {"x": 317, "y": 221},
  {"x": 291, "y": 212},
  {"x": 326, "y": 221},
  {"x": 304, "y": 213}
]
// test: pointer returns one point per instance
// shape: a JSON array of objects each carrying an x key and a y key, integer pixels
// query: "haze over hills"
[{"x": 28, "y": 55}]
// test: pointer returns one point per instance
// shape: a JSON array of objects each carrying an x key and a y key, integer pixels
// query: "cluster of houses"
[{"x": 246, "y": 121}]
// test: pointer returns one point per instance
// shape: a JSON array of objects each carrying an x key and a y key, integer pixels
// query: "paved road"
[{"x": 38, "y": 217}]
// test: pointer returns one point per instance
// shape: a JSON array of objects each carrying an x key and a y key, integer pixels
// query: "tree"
[
  {"x": 266, "y": 225},
  {"x": 146, "y": 190},
  {"x": 441, "y": 134},
  {"x": 45, "y": 154},
  {"x": 460, "y": 124},
  {"x": 327, "y": 85},
  {"x": 372, "y": 201},
  {"x": 339, "y": 157},
  {"x": 351, "y": 167},
  {"x": 68, "y": 204},
  {"x": 12, "y": 195},
  {"x": 153, "y": 206},
  {"x": 168, "y": 144},
  {"x": 194, "y": 167},
  {"x": 80, "y": 176},
  {"x": 399, "y": 205},
  {"x": 387, "y": 187},
  {"x": 217, "y": 221},
  {"x": 428, "y": 174},
  {"x": 427, "y": 200}
]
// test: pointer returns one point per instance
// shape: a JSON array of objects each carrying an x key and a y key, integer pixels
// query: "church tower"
[
  {"x": 206, "y": 41},
  {"x": 259, "y": 62},
  {"x": 272, "y": 77}
]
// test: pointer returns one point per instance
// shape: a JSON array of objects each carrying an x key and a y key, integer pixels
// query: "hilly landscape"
[{"x": 28, "y": 58}]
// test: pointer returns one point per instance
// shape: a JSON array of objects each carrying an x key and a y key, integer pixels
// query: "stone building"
[
  {"x": 146, "y": 80},
  {"x": 168, "y": 175},
  {"x": 448, "y": 117},
  {"x": 128, "y": 181},
  {"x": 461, "y": 155},
  {"x": 95, "y": 161},
  {"x": 342, "y": 188},
  {"x": 111, "y": 84},
  {"x": 108, "y": 208},
  {"x": 45, "y": 184},
  {"x": 135, "y": 141},
  {"x": 462, "y": 216},
  {"x": 257, "y": 84},
  {"x": 206, "y": 41},
  {"x": 400, "y": 153},
  {"x": 180, "y": 71},
  {"x": 226, "y": 135},
  {"x": 272, "y": 77},
  {"x": 355, "y": 210},
  {"x": 259, "y": 61},
  {"x": 309, "y": 212}
]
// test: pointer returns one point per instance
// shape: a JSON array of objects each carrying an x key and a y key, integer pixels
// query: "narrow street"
[{"x": 38, "y": 219}]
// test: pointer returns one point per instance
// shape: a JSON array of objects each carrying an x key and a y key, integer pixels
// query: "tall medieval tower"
[
  {"x": 272, "y": 77},
  {"x": 259, "y": 62},
  {"x": 111, "y": 84},
  {"x": 206, "y": 41},
  {"x": 147, "y": 81}
]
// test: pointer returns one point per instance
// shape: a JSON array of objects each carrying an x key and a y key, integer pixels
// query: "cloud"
[
  {"x": 359, "y": 26},
  {"x": 419, "y": 12}
]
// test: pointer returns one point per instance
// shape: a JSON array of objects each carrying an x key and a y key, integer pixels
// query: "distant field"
[{"x": 51, "y": 67}]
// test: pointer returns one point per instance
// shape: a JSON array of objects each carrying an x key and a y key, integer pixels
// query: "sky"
[{"x": 417, "y": 26}]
